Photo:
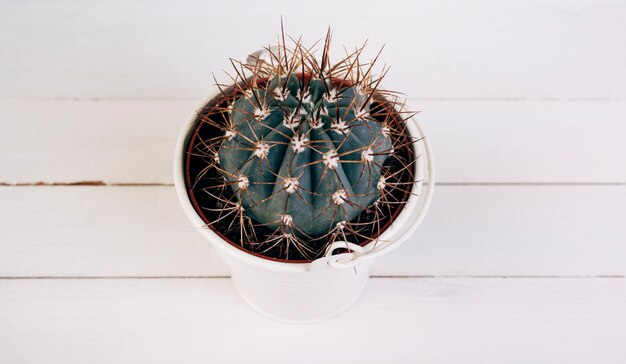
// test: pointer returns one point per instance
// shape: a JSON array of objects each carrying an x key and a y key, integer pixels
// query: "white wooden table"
[{"x": 522, "y": 258}]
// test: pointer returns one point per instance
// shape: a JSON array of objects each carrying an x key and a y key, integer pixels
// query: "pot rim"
[{"x": 409, "y": 217}]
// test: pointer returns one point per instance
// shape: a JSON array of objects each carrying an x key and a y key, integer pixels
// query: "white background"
[{"x": 521, "y": 260}]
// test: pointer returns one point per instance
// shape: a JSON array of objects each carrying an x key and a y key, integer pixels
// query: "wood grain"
[
  {"x": 395, "y": 321},
  {"x": 470, "y": 230},
  {"x": 443, "y": 49},
  {"x": 474, "y": 142}
]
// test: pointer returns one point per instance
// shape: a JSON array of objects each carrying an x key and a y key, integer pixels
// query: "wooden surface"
[
  {"x": 522, "y": 258},
  {"x": 406, "y": 320}
]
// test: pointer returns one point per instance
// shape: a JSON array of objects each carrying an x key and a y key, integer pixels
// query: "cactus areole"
[{"x": 297, "y": 154}]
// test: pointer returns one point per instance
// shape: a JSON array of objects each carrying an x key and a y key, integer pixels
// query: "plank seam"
[{"x": 373, "y": 276}]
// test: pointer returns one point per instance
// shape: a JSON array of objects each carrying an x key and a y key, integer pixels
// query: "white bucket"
[{"x": 306, "y": 292}]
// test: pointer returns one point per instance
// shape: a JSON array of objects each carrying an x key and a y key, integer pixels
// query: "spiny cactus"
[
  {"x": 307, "y": 153},
  {"x": 303, "y": 156}
]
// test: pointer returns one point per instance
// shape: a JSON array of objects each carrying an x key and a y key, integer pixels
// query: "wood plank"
[
  {"x": 527, "y": 142},
  {"x": 451, "y": 49},
  {"x": 101, "y": 231},
  {"x": 470, "y": 230},
  {"x": 396, "y": 320},
  {"x": 487, "y": 141},
  {"x": 68, "y": 141}
]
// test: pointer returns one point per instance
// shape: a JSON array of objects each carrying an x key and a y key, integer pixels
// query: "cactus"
[
  {"x": 306, "y": 153},
  {"x": 303, "y": 155}
]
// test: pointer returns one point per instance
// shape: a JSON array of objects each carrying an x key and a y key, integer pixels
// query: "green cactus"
[
  {"x": 297, "y": 153},
  {"x": 303, "y": 155}
]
